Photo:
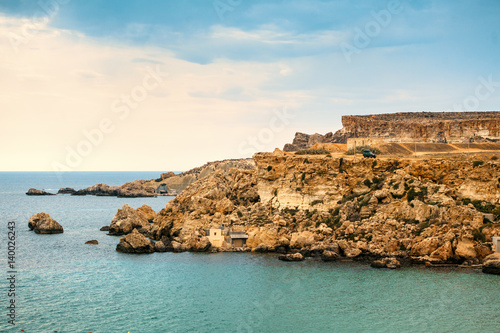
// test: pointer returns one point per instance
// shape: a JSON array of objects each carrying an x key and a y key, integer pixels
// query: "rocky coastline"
[{"x": 391, "y": 212}]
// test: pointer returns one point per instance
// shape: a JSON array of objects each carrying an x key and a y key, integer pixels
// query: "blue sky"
[{"x": 232, "y": 64}]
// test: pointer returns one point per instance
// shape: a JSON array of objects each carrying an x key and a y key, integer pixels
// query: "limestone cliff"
[
  {"x": 438, "y": 210},
  {"x": 439, "y": 127}
]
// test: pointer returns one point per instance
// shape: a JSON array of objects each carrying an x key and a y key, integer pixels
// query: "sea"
[{"x": 57, "y": 283}]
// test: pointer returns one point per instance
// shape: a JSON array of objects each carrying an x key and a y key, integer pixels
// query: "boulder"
[
  {"x": 135, "y": 242},
  {"x": 33, "y": 191},
  {"x": 92, "y": 242},
  {"x": 391, "y": 263},
  {"x": 291, "y": 257},
  {"x": 105, "y": 228},
  {"x": 127, "y": 219},
  {"x": 444, "y": 252},
  {"x": 42, "y": 223},
  {"x": 330, "y": 256},
  {"x": 492, "y": 264},
  {"x": 66, "y": 190}
]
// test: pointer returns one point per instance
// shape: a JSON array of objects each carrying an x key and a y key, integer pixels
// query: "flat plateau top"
[{"x": 430, "y": 116}]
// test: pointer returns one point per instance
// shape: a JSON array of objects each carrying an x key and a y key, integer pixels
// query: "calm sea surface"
[{"x": 66, "y": 286}]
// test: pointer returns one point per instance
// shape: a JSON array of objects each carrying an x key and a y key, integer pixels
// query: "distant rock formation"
[
  {"x": 432, "y": 127},
  {"x": 492, "y": 264},
  {"x": 42, "y": 223},
  {"x": 66, "y": 190},
  {"x": 33, "y": 191},
  {"x": 92, "y": 242}
]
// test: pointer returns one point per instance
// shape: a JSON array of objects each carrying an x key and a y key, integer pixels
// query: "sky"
[{"x": 110, "y": 85}]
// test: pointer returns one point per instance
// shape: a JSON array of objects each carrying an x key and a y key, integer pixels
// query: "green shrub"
[
  {"x": 158, "y": 180},
  {"x": 494, "y": 158},
  {"x": 315, "y": 202},
  {"x": 269, "y": 168},
  {"x": 396, "y": 186},
  {"x": 374, "y": 164},
  {"x": 367, "y": 183},
  {"x": 303, "y": 176},
  {"x": 240, "y": 214},
  {"x": 477, "y": 163},
  {"x": 478, "y": 236},
  {"x": 306, "y": 161}
]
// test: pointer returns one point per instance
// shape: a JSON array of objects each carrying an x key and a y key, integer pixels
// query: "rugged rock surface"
[
  {"x": 492, "y": 264},
  {"x": 128, "y": 190},
  {"x": 42, "y": 223},
  {"x": 438, "y": 127},
  {"x": 33, "y": 191},
  {"x": 128, "y": 219},
  {"x": 66, "y": 190},
  {"x": 426, "y": 209},
  {"x": 391, "y": 263},
  {"x": 135, "y": 242},
  {"x": 166, "y": 175},
  {"x": 92, "y": 242},
  {"x": 291, "y": 257},
  {"x": 147, "y": 212},
  {"x": 105, "y": 228}
]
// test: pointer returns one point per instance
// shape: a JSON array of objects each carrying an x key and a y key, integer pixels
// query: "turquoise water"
[{"x": 66, "y": 286}]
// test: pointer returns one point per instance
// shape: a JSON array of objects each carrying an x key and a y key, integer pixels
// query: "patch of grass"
[
  {"x": 312, "y": 152},
  {"x": 477, "y": 163},
  {"x": 483, "y": 207}
]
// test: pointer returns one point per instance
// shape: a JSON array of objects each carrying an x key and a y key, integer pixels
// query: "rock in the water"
[
  {"x": 105, "y": 228},
  {"x": 391, "y": 263},
  {"x": 127, "y": 219},
  {"x": 42, "y": 223},
  {"x": 291, "y": 257},
  {"x": 329, "y": 256},
  {"x": 92, "y": 242},
  {"x": 33, "y": 191},
  {"x": 160, "y": 247},
  {"x": 66, "y": 190},
  {"x": 492, "y": 264},
  {"x": 135, "y": 242}
]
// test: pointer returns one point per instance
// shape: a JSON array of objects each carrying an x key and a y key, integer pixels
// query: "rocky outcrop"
[
  {"x": 492, "y": 264},
  {"x": 128, "y": 219},
  {"x": 42, "y": 223},
  {"x": 305, "y": 141},
  {"x": 147, "y": 212},
  {"x": 166, "y": 175},
  {"x": 134, "y": 189},
  {"x": 66, "y": 190},
  {"x": 135, "y": 242},
  {"x": 333, "y": 208},
  {"x": 33, "y": 191},
  {"x": 92, "y": 242},
  {"x": 291, "y": 257},
  {"x": 436, "y": 127}
]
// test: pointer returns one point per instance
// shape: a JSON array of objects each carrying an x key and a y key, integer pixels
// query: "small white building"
[{"x": 496, "y": 243}]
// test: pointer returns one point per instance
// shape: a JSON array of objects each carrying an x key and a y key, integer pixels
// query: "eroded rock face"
[
  {"x": 42, "y": 223},
  {"x": 66, "y": 190},
  {"x": 135, "y": 242},
  {"x": 33, "y": 191},
  {"x": 148, "y": 213},
  {"x": 126, "y": 220},
  {"x": 492, "y": 264},
  {"x": 334, "y": 208}
]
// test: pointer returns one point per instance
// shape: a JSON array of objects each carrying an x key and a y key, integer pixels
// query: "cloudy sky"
[{"x": 170, "y": 85}]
